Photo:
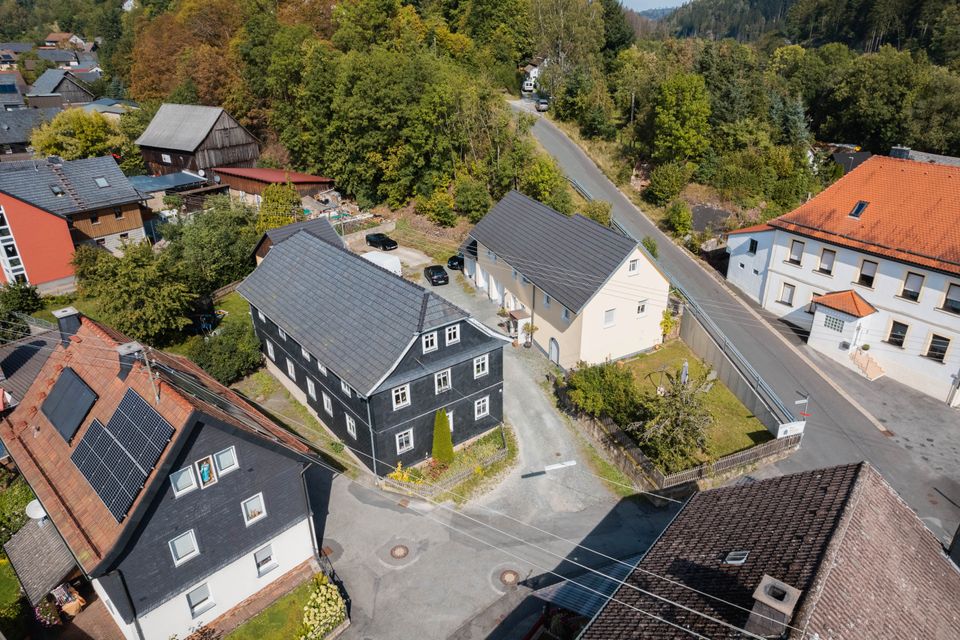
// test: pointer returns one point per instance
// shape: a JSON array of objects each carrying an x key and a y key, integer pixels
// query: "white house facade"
[{"x": 867, "y": 272}]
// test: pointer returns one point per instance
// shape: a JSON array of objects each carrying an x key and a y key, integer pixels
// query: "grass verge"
[
  {"x": 484, "y": 479},
  {"x": 439, "y": 249},
  {"x": 282, "y": 619}
]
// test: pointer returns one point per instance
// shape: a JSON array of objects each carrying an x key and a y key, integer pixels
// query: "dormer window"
[
  {"x": 858, "y": 209},
  {"x": 430, "y": 342}
]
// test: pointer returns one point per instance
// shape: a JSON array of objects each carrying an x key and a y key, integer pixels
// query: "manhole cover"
[
  {"x": 399, "y": 552},
  {"x": 509, "y": 577}
]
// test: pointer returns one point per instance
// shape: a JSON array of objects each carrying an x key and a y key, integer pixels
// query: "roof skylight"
[{"x": 858, "y": 209}]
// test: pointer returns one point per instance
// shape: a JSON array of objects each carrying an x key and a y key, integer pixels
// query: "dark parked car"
[
  {"x": 435, "y": 274},
  {"x": 543, "y": 104},
  {"x": 455, "y": 263},
  {"x": 381, "y": 241}
]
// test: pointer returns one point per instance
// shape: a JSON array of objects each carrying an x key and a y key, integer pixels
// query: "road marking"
[{"x": 559, "y": 465}]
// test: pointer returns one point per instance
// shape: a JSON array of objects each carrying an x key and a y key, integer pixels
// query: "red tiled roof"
[
  {"x": 752, "y": 229},
  {"x": 911, "y": 216},
  {"x": 849, "y": 302},
  {"x": 43, "y": 456},
  {"x": 272, "y": 175}
]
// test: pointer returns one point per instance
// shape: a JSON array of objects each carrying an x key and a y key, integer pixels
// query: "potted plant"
[{"x": 529, "y": 330}]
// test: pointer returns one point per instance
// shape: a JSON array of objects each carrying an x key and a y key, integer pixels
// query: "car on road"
[
  {"x": 543, "y": 104},
  {"x": 436, "y": 275},
  {"x": 455, "y": 263},
  {"x": 381, "y": 241},
  {"x": 528, "y": 86}
]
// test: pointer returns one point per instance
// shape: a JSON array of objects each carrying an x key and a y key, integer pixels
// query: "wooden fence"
[
  {"x": 644, "y": 473},
  {"x": 223, "y": 292}
]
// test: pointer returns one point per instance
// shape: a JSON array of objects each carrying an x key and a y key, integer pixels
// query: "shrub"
[
  {"x": 438, "y": 208},
  {"x": 607, "y": 391},
  {"x": 471, "y": 198},
  {"x": 228, "y": 355},
  {"x": 599, "y": 211},
  {"x": 21, "y": 297},
  {"x": 679, "y": 219},
  {"x": 442, "y": 440},
  {"x": 324, "y": 611},
  {"x": 14, "y": 497},
  {"x": 650, "y": 245},
  {"x": 666, "y": 183},
  {"x": 667, "y": 323}
]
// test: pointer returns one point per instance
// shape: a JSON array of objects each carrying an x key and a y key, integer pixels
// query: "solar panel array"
[
  {"x": 117, "y": 458},
  {"x": 68, "y": 403}
]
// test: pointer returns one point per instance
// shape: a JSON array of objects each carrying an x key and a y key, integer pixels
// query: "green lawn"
[
  {"x": 238, "y": 311},
  {"x": 86, "y": 306},
  {"x": 734, "y": 427},
  {"x": 279, "y": 621},
  {"x": 12, "y": 616}
]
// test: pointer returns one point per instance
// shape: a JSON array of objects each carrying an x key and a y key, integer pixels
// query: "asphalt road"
[{"x": 837, "y": 432}]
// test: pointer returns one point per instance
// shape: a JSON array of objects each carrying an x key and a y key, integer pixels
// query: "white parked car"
[{"x": 528, "y": 86}]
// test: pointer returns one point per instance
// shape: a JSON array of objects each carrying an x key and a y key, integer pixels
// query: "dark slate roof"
[
  {"x": 22, "y": 360},
  {"x": 179, "y": 126},
  {"x": 319, "y": 227},
  {"x": 16, "y": 125},
  {"x": 86, "y": 76},
  {"x": 570, "y": 258},
  {"x": 30, "y": 181},
  {"x": 49, "y": 81},
  {"x": 353, "y": 316},
  {"x": 154, "y": 184},
  {"x": 17, "y": 47},
  {"x": 850, "y": 160},
  {"x": 56, "y": 55},
  {"x": 40, "y": 558},
  {"x": 863, "y": 561}
]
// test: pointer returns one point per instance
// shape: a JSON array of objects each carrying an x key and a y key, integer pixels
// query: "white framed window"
[
  {"x": 546, "y": 301},
  {"x": 206, "y": 472},
  {"x": 912, "y": 285},
  {"x": 481, "y": 366},
  {"x": 481, "y": 407},
  {"x": 200, "y": 600},
  {"x": 401, "y": 397},
  {"x": 868, "y": 273},
  {"x": 351, "y": 426},
  {"x": 641, "y": 308},
  {"x": 951, "y": 301},
  {"x": 347, "y": 391},
  {"x": 305, "y": 354},
  {"x": 453, "y": 334},
  {"x": 404, "y": 441},
  {"x": 796, "y": 252},
  {"x": 609, "y": 317},
  {"x": 786, "y": 294},
  {"x": 833, "y": 323},
  {"x": 270, "y": 351},
  {"x": 260, "y": 315},
  {"x": 937, "y": 349},
  {"x": 311, "y": 389},
  {"x": 291, "y": 370},
  {"x": 633, "y": 267},
  {"x": 226, "y": 460},
  {"x": 827, "y": 258},
  {"x": 183, "y": 481},
  {"x": 184, "y": 547},
  {"x": 281, "y": 333},
  {"x": 165, "y": 158},
  {"x": 253, "y": 509},
  {"x": 263, "y": 559},
  {"x": 327, "y": 403},
  {"x": 429, "y": 341},
  {"x": 322, "y": 369},
  {"x": 441, "y": 381},
  {"x": 565, "y": 314}
]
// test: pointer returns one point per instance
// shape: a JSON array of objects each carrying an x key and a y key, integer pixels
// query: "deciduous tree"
[{"x": 681, "y": 116}]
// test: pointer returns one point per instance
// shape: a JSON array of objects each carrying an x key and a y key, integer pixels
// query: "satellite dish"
[
  {"x": 35, "y": 510},
  {"x": 216, "y": 179},
  {"x": 202, "y": 173}
]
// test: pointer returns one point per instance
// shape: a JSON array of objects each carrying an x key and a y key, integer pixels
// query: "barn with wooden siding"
[
  {"x": 185, "y": 137},
  {"x": 248, "y": 184}
]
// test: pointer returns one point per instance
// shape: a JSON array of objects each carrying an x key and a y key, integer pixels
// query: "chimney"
[
  {"x": 900, "y": 152},
  {"x": 773, "y": 604},
  {"x": 129, "y": 353},
  {"x": 68, "y": 321}
]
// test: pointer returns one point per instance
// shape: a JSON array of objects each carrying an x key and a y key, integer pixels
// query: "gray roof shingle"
[
  {"x": 57, "y": 55},
  {"x": 17, "y": 125},
  {"x": 40, "y": 558},
  {"x": 179, "y": 126},
  {"x": 354, "y": 317},
  {"x": 568, "y": 257},
  {"x": 319, "y": 227},
  {"x": 17, "y": 47},
  {"x": 49, "y": 81},
  {"x": 31, "y": 181}
]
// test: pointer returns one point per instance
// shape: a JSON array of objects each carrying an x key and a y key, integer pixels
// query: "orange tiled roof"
[
  {"x": 849, "y": 302},
  {"x": 911, "y": 216},
  {"x": 43, "y": 456},
  {"x": 751, "y": 229}
]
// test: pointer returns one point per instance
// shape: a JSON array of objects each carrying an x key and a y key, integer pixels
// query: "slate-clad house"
[
  {"x": 374, "y": 355},
  {"x": 831, "y": 554},
  {"x": 186, "y": 137},
  {"x": 15, "y": 129},
  {"x": 59, "y": 88},
  {"x": 48, "y": 206},
  {"x": 177, "y": 499},
  {"x": 319, "y": 227},
  {"x": 592, "y": 293}
]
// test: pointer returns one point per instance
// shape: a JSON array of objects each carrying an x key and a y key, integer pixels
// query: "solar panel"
[
  {"x": 117, "y": 458},
  {"x": 68, "y": 403}
]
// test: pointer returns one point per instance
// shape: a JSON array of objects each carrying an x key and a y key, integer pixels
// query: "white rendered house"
[{"x": 871, "y": 268}]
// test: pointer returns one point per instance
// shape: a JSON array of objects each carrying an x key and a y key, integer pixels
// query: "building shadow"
[{"x": 611, "y": 548}]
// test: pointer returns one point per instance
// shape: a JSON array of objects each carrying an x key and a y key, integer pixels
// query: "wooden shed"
[
  {"x": 183, "y": 137},
  {"x": 248, "y": 184}
]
